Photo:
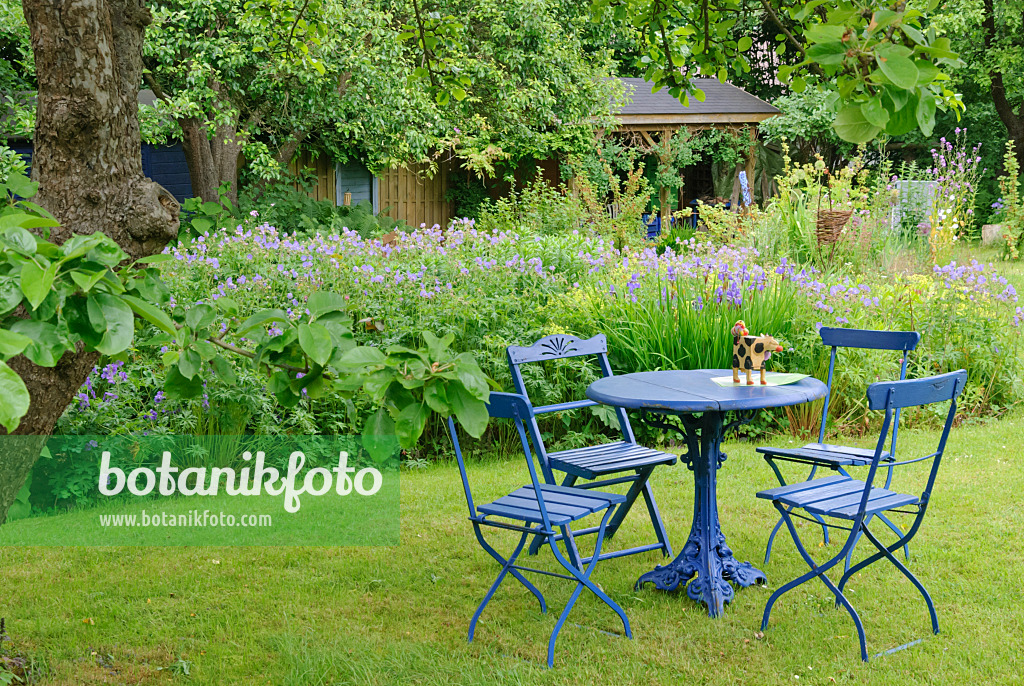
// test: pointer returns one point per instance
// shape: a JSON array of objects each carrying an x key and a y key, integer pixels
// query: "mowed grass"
[{"x": 399, "y": 615}]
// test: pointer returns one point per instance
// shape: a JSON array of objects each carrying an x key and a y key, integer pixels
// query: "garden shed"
[
  {"x": 407, "y": 194},
  {"x": 651, "y": 118}
]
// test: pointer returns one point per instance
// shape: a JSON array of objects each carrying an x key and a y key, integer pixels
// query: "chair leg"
[
  {"x": 582, "y": 577},
  {"x": 887, "y": 552},
  {"x": 659, "y": 526},
  {"x": 778, "y": 524},
  {"x": 642, "y": 486},
  {"x": 634, "y": 490},
  {"x": 816, "y": 571},
  {"x": 506, "y": 567}
]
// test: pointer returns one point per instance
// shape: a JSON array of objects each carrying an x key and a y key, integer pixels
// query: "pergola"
[{"x": 652, "y": 118}]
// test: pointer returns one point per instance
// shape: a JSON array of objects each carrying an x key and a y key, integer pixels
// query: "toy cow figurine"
[{"x": 750, "y": 352}]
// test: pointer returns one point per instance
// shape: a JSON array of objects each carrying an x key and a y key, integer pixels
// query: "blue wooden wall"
[{"x": 164, "y": 164}]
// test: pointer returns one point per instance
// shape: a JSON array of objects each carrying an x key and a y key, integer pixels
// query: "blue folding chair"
[
  {"x": 837, "y": 457},
  {"x": 844, "y": 498},
  {"x": 598, "y": 464},
  {"x": 537, "y": 510}
]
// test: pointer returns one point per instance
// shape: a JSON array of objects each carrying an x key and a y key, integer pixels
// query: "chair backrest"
[
  {"x": 865, "y": 339},
  {"x": 560, "y": 347},
  {"x": 892, "y": 396},
  {"x": 517, "y": 408}
]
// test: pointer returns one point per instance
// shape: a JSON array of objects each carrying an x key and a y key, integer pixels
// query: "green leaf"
[
  {"x": 36, "y": 283},
  {"x": 47, "y": 347},
  {"x": 379, "y": 437},
  {"x": 316, "y": 342},
  {"x": 261, "y": 318},
  {"x": 874, "y": 113},
  {"x": 437, "y": 347},
  {"x": 151, "y": 313},
  {"x": 362, "y": 356},
  {"x": 79, "y": 245},
  {"x": 178, "y": 387},
  {"x": 226, "y": 305},
  {"x": 224, "y": 370},
  {"x": 322, "y": 302},
  {"x": 14, "y": 398},
  {"x": 120, "y": 324},
  {"x": 851, "y": 125},
  {"x": 827, "y": 53},
  {"x": 434, "y": 396},
  {"x": 897, "y": 66},
  {"x": 190, "y": 363},
  {"x": 200, "y": 316},
  {"x": 744, "y": 43},
  {"x": 925, "y": 114},
  {"x": 903, "y": 119},
  {"x": 202, "y": 224},
  {"x": 469, "y": 410},
  {"x": 10, "y": 295},
  {"x": 155, "y": 259},
  {"x": 206, "y": 350},
  {"x": 20, "y": 185},
  {"x": 823, "y": 33},
  {"x": 410, "y": 424},
  {"x": 12, "y": 343},
  {"x": 85, "y": 280},
  {"x": 926, "y": 72},
  {"x": 21, "y": 241}
]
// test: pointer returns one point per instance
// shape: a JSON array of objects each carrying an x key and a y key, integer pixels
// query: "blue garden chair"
[
  {"x": 838, "y": 458},
  {"x": 598, "y": 464},
  {"x": 844, "y": 498},
  {"x": 542, "y": 511}
]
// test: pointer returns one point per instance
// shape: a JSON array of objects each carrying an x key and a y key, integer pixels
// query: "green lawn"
[{"x": 399, "y": 615}]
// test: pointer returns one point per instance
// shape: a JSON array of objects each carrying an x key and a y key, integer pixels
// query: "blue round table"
[{"x": 684, "y": 394}]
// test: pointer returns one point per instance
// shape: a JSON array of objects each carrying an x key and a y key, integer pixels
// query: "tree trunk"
[
  {"x": 211, "y": 162},
  {"x": 1013, "y": 121},
  {"x": 199, "y": 157},
  {"x": 88, "y": 162}
]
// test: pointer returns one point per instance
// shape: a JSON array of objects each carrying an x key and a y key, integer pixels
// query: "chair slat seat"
[
  {"x": 837, "y": 496},
  {"x": 825, "y": 454},
  {"x": 564, "y": 504},
  {"x": 592, "y": 462}
]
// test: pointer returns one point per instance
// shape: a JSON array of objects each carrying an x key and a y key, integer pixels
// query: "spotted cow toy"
[{"x": 750, "y": 352}]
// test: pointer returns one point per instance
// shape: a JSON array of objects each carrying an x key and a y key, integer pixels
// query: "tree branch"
[{"x": 782, "y": 27}]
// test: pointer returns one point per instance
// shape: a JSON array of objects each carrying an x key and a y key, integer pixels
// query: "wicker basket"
[{"x": 830, "y": 225}]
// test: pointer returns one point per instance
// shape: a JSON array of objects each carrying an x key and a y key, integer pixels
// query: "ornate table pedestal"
[{"x": 705, "y": 555}]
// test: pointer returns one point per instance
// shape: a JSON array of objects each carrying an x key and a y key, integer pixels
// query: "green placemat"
[{"x": 773, "y": 379}]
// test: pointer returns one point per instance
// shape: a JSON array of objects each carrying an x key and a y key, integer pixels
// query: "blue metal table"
[{"x": 685, "y": 394}]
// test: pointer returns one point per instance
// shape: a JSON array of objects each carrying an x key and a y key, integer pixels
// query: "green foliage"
[
  {"x": 1012, "y": 215},
  {"x": 86, "y": 292},
  {"x": 806, "y": 126},
  {"x": 718, "y": 146},
  {"x": 540, "y": 206},
  {"x": 203, "y": 217},
  {"x": 466, "y": 194},
  {"x": 11, "y": 163}
]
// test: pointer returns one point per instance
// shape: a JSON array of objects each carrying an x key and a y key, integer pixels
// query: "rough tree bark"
[{"x": 88, "y": 56}]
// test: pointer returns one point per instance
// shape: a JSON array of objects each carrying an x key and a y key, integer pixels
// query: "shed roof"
[{"x": 723, "y": 103}]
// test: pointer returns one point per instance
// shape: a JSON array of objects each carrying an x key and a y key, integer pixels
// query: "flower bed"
[{"x": 671, "y": 309}]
